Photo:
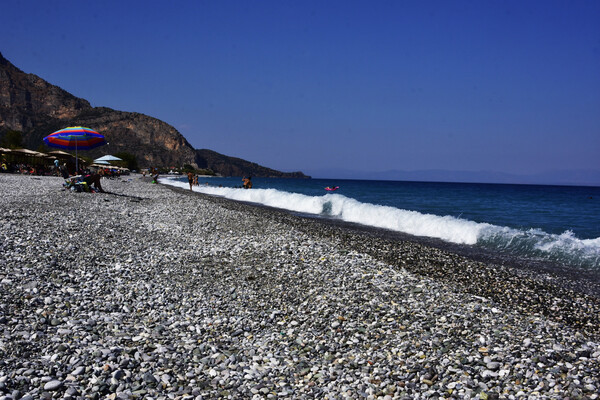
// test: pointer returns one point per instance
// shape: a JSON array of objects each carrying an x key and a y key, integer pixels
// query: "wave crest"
[{"x": 532, "y": 243}]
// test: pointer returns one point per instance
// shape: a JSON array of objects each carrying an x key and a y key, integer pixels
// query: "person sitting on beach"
[{"x": 93, "y": 179}]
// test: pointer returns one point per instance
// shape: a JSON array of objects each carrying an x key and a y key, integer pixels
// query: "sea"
[{"x": 551, "y": 225}]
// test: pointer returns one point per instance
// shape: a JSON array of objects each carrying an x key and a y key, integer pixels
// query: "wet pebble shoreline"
[{"x": 155, "y": 293}]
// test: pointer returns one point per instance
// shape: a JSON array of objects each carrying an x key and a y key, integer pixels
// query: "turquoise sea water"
[{"x": 557, "y": 224}]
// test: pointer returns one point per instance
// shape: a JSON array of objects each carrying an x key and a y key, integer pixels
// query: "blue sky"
[{"x": 318, "y": 86}]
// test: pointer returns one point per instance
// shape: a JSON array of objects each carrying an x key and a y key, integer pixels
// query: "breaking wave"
[{"x": 564, "y": 248}]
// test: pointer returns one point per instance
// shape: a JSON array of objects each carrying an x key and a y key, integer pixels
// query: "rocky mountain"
[
  {"x": 231, "y": 166},
  {"x": 37, "y": 108}
]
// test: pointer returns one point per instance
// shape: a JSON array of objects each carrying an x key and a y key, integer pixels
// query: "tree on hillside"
[
  {"x": 42, "y": 148},
  {"x": 129, "y": 159},
  {"x": 12, "y": 139}
]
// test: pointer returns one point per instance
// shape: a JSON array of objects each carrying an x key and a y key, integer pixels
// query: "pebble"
[
  {"x": 53, "y": 385},
  {"x": 153, "y": 292}
]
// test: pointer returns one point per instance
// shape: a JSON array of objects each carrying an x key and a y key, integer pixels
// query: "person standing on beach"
[
  {"x": 64, "y": 171},
  {"x": 191, "y": 179}
]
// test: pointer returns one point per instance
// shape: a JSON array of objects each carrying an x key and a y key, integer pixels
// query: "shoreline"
[
  {"x": 477, "y": 273},
  {"x": 150, "y": 291},
  {"x": 575, "y": 277}
]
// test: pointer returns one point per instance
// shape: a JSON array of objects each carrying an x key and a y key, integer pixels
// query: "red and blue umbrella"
[{"x": 75, "y": 138}]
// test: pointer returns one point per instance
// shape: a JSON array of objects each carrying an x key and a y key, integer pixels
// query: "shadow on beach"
[{"x": 133, "y": 198}]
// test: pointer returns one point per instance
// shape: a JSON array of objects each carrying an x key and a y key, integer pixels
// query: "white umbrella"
[
  {"x": 60, "y": 153},
  {"x": 108, "y": 157},
  {"x": 99, "y": 161},
  {"x": 28, "y": 152}
]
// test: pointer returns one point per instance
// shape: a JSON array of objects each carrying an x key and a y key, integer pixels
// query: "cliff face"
[{"x": 26, "y": 100}]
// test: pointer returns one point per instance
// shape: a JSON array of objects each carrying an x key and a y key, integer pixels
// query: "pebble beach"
[{"x": 153, "y": 292}]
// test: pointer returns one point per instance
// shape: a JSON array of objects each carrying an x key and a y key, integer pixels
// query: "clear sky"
[{"x": 507, "y": 86}]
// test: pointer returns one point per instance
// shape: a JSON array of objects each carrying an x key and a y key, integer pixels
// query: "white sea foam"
[
  {"x": 565, "y": 248},
  {"x": 335, "y": 205}
]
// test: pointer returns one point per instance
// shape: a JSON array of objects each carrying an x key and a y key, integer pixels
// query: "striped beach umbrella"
[{"x": 75, "y": 138}]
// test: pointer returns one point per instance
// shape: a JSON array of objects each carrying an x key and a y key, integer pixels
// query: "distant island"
[{"x": 36, "y": 108}]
